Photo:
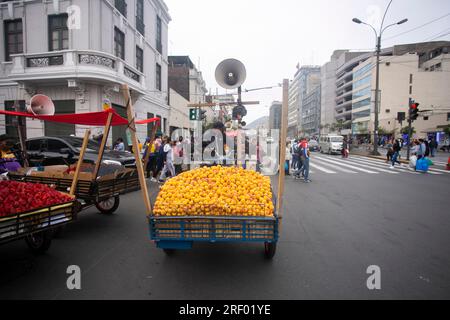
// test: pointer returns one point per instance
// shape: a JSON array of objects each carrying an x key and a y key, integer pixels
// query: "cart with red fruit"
[
  {"x": 103, "y": 192},
  {"x": 31, "y": 212}
]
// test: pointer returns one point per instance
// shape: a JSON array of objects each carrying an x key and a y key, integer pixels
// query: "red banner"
[{"x": 88, "y": 119}]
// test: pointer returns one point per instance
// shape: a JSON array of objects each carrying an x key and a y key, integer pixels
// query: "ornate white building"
[{"x": 78, "y": 53}]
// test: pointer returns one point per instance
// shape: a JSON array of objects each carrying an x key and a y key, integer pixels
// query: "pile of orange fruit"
[{"x": 216, "y": 191}]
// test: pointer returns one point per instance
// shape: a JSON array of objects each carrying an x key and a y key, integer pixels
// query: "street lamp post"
[{"x": 377, "y": 83}]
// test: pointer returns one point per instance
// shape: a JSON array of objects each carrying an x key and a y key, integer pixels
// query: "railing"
[
  {"x": 41, "y": 62},
  {"x": 131, "y": 74},
  {"x": 95, "y": 59},
  {"x": 34, "y": 66}
]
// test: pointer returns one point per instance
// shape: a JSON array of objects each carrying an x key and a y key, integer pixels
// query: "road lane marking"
[{"x": 349, "y": 166}]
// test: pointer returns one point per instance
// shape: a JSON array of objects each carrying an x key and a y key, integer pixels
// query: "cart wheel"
[
  {"x": 39, "y": 242},
  {"x": 108, "y": 206},
  {"x": 169, "y": 252},
  {"x": 269, "y": 249}
]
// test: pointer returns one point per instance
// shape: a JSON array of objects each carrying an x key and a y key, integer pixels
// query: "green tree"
[{"x": 406, "y": 131}]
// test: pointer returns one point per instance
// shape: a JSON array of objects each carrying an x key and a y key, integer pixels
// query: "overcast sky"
[{"x": 271, "y": 37}]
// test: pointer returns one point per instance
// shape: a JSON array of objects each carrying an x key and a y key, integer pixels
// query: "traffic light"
[
  {"x": 202, "y": 115},
  {"x": 193, "y": 115},
  {"x": 414, "y": 110}
]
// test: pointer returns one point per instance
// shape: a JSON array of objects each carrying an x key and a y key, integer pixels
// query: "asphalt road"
[{"x": 333, "y": 229}]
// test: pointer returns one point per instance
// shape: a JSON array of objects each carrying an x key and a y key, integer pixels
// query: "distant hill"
[{"x": 263, "y": 121}]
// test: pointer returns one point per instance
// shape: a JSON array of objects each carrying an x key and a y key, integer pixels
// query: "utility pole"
[
  {"x": 408, "y": 152},
  {"x": 377, "y": 98}
]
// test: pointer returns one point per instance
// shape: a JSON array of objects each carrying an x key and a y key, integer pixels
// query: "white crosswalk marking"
[
  {"x": 370, "y": 166},
  {"x": 433, "y": 171},
  {"x": 381, "y": 164},
  {"x": 336, "y": 167},
  {"x": 320, "y": 168},
  {"x": 348, "y": 166}
]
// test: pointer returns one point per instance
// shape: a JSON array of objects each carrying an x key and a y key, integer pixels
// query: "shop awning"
[{"x": 88, "y": 119}]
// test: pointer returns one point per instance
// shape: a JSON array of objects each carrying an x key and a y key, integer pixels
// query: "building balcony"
[
  {"x": 94, "y": 66},
  {"x": 344, "y": 95},
  {"x": 343, "y": 105}
]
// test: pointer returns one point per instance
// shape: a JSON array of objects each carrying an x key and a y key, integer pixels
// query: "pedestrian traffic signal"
[
  {"x": 193, "y": 114},
  {"x": 414, "y": 110}
]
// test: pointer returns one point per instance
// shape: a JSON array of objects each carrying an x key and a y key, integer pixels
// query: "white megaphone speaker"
[
  {"x": 41, "y": 105},
  {"x": 230, "y": 74}
]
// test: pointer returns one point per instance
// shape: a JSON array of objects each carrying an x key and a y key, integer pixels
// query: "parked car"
[{"x": 65, "y": 150}]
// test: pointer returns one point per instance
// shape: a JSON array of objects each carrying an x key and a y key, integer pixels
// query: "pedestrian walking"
[
  {"x": 295, "y": 155},
  {"x": 288, "y": 159},
  {"x": 421, "y": 149},
  {"x": 433, "y": 147},
  {"x": 178, "y": 156},
  {"x": 390, "y": 150},
  {"x": 427, "y": 148},
  {"x": 305, "y": 162},
  {"x": 168, "y": 160},
  {"x": 345, "y": 151},
  {"x": 397, "y": 147}
]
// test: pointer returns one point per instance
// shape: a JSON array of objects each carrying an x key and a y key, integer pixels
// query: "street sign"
[{"x": 194, "y": 114}]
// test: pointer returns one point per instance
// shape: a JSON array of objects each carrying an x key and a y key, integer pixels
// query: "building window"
[
  {"x": 410, "y": 89},
  {"x": 159, "y": 123},
  {"x": 388, "y": 110},
  {"x": 438, "y": 67},
  {"x": 119, "y": 43},
  {"x": 139, "y": 59},
  {"x": 140, "y": 26},
  {"x": 58, "y": 32},
  {"x": 165, "y": 125},
  {"x": 410, "y": 79},
  {"x": 158, "y": 77},
  {"x": 11, "y": 122},
  {"x": 158, "y": 34},
  {"x": 121, "y": 6},
  {"x": 425, "y": 118},
  {"x": 448, "y": 116},
  {"x": 150, "y": 124},
  {"x": 13, "y": 38}
]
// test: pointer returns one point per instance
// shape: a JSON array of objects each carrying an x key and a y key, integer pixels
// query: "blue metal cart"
[{"x": 175, "y": 233}]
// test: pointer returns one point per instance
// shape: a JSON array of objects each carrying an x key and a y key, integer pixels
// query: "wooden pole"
[
  {"x": 140, "y": 168},
  {"x": 283, "y": 134},
  {"x": 102, "y": 146},
  {"x": 87, "y": 133}
]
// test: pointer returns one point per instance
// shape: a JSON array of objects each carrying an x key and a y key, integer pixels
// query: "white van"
[{"x": 331, "y": 143}]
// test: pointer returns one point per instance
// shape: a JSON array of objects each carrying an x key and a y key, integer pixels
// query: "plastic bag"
[
  {"x": 413, "y": 161},
  {"x": 422, "y": 165}
]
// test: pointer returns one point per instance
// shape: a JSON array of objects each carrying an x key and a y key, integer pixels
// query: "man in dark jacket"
[
  {"x": 397, "y": 147},
  {"x": 433, "y": 147}
]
